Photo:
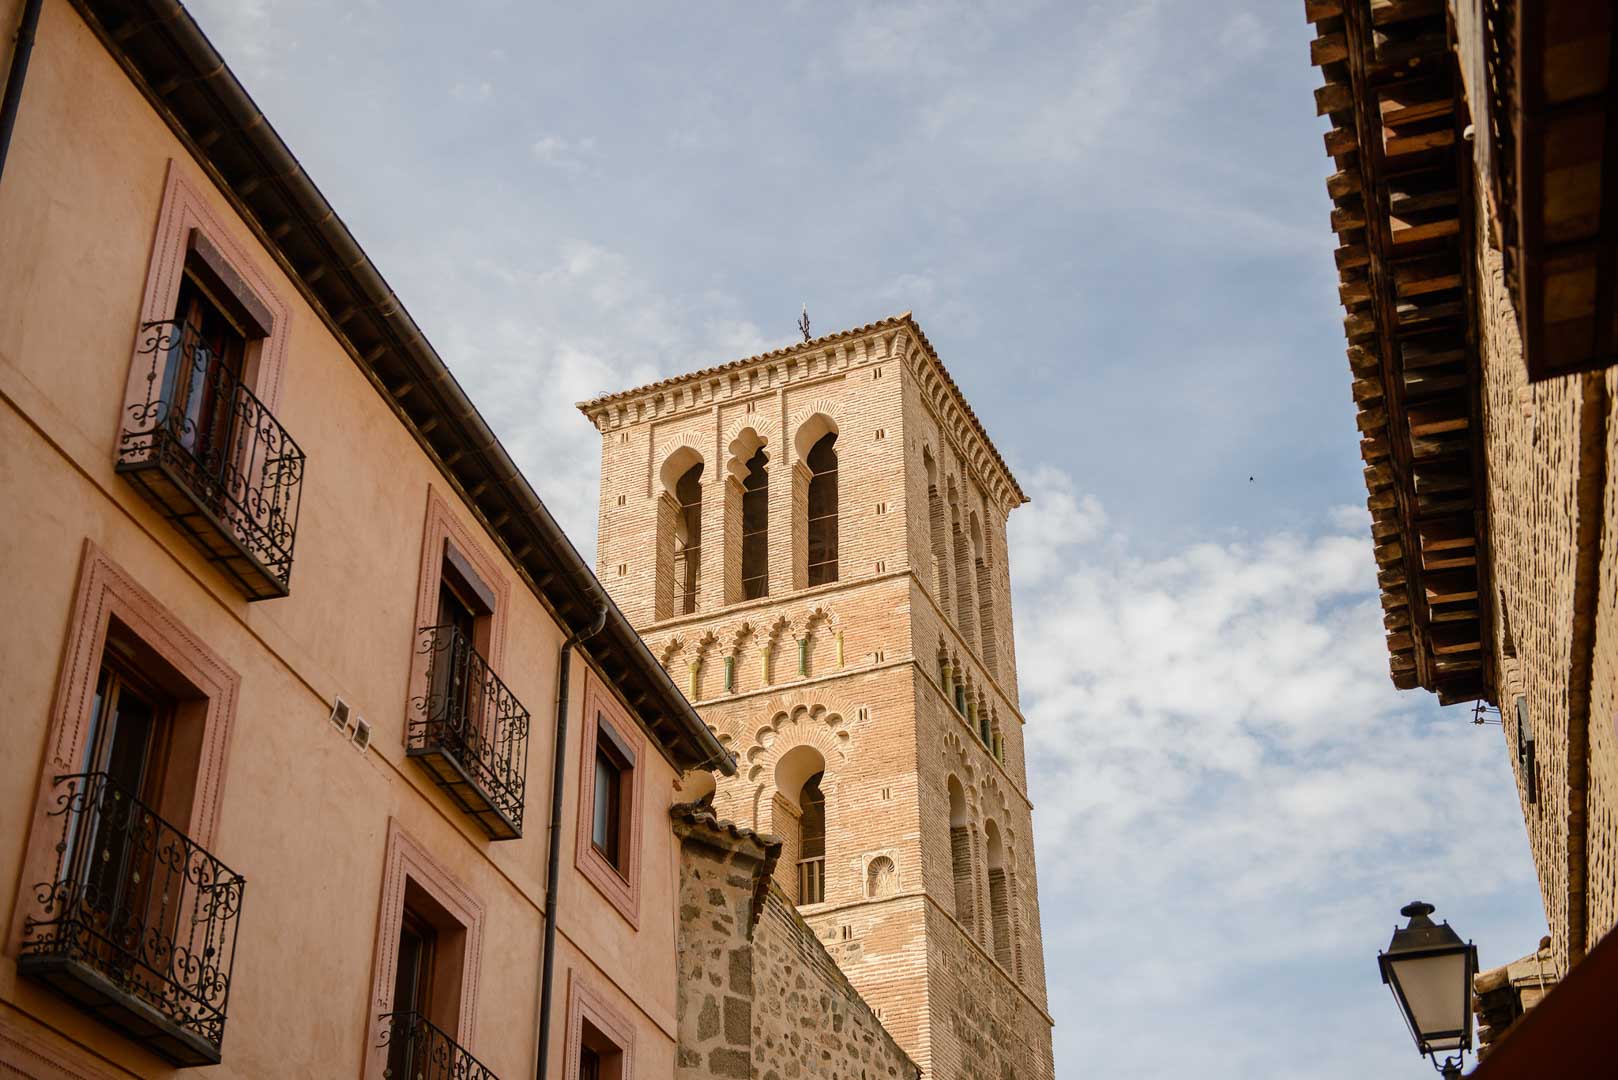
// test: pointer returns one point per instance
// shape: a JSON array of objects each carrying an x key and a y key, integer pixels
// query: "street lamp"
[{"x": 1430, "y": 970}]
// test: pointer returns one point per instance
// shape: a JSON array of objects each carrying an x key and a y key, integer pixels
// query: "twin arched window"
[{"x": 746, "y": 535}]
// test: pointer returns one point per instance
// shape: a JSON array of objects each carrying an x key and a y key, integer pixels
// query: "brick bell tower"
[{"x": 813, "y": 541}]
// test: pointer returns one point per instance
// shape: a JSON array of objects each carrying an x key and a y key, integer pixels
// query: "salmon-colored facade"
[{"x": 326, "y": 834}]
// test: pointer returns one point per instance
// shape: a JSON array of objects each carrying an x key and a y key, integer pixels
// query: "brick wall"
[
  {"x": 851, "y": 670},
  {"x": 1547, "y": 455}
]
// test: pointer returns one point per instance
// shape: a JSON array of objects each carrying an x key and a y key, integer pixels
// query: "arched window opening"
[
  {"x": 990, "y": 646},
  {"x": 881, "y": 878},
  {"x": 800, "y": 822},
  {"x": 965, "y": 584},
  {"x": 823, "y": 510},
  {"x": 812, "y": 845},
  {"x": 938, "y": 525},
  {"x": 999, "y": 896},
  {"x": 688, "y": 537},
  {"x": 960, "y": 853},
  {"x": 756, "y": 528}
]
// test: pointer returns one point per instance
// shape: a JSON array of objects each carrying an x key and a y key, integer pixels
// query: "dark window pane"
[
  {"x": 605, "y": 825},
  {"x": 823, "y": 511},
  {"x": 755, "y": 528}
]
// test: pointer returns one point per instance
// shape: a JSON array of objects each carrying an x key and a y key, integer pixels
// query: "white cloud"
[{"x": 1231, "y": 801}]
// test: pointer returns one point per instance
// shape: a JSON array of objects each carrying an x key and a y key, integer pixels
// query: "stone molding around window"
[
  {"x": 186, "y": 211},
  {"x": 619, "y": 887},
  {"x": 443, "y": 526},
  {"x": 444, "y": 531},
  {"x": 408, "y": 862},
  {"x": 46, "y": 1056},
  {"x": 585, "y": 1002},
  {"x": 106, "y": 591}
]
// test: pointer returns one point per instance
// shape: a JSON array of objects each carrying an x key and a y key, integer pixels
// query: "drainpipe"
[
  {"x": 547, "y": 962},
  {"x": 19, "y": 71}
]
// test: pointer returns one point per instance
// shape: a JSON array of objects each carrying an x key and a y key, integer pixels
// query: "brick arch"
[
  {"x": 822, "y": 417},
  {"x": 747, "y": 440},
  {"x": 814, "y": 725},
  {"x": 674, "y": 646},
  {"x": 674, "y": 458}
]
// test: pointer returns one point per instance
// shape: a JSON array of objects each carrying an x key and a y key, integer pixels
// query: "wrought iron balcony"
[
  {"x": 470, "y": 733},
  {"x": 212, "y": 459},
  {"x": 418, "y": 1050},
  {"x": 138, "y": 928}
]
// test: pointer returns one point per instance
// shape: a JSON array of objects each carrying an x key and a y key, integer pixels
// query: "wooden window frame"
[
  {"x": 606, "y": 720},
  {"x": 199, "y": 749},
  {"x": 587, "y": 1004},
  {"x": 409, "y": 867}
]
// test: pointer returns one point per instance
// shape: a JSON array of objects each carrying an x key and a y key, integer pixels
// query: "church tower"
[{"x": 813, "y": 541}]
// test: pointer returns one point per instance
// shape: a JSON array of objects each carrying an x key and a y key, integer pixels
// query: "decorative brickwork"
[{"x": 895, "y": 680}]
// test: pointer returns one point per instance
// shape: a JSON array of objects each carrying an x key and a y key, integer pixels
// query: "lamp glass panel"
[{"x": 1434, "y": 989}]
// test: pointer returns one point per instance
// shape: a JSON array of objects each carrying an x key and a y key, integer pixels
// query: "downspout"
[
  {"x": 18, "y": 72},
  {"x": 547, "y": 961}
]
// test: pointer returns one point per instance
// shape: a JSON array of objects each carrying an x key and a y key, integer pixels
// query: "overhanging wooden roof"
[{"x": 1402, "y": 213}]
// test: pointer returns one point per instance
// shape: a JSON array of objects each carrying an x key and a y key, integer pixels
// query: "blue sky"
[{"x": 1111, "y": 221}]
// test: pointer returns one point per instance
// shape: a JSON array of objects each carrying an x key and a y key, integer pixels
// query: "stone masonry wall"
[
  {"x": 760, "y": 996},
  {"x": 808, "y": 1021}
]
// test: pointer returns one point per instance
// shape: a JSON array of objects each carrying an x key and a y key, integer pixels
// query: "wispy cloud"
[{"x": 1215, "y": 747}]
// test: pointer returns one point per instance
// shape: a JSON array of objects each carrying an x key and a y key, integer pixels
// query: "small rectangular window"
[{"x": 613, "y": 764}]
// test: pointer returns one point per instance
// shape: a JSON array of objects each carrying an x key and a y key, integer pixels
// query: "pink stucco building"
[{"x": 289, "y": 643}]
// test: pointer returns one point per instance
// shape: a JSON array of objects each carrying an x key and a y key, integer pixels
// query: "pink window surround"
[
  {"x": 45, "y": 1056},
  {"x": 187, "y": 221},
  {"x": 192, "y": 795},
  {"x": 585, "y": 1002},
  {"x": 620, "y": 887},
  {"x": 443, "y": 533},
  {"x": 409, "y": 865}
]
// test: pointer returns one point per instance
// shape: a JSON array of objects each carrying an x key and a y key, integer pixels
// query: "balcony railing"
[
  {"x": 470, "y": 733},
  {"x": 812, "y": 881},
  {"x": 213, "y": 460},
  {"x": 419, "y": 1050},
  {"x": 138, "y": 927}
]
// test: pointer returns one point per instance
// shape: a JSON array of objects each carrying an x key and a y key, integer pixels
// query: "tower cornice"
[{"x": 898, "y": 337}]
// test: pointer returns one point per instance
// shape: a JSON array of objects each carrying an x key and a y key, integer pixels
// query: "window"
[
  {"x": 999, "y": 896},
  {"x": 688, "y": 538},
  {"x": 812, "y": 843},
  {"x": 607, "y": 815},
  {"x": 127, "y": 809},
  {"x": 199, "y": 437},
  {"x": 200, "y": 390},
  {"x": 600, "y": 1041},
  {"x": 425, "y": 976},
  {"x": 412, "y": 987},
  {"x": 607, "y": 847},
  {"x": 823, "y": 510},
  {"x": 756, "y": 528},
  {"x": 1525, "y": 751},
  {"x": 960, "y": 852}
]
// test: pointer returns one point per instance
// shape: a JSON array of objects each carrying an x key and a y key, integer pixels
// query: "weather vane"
[{"x": 803, "y": 322}]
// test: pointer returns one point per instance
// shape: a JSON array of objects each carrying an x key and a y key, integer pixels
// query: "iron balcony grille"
[
  {"x": 419, "y": 1050},
  {"x": 213, "y": 460},
  {"x": 138, "y": 928},
  {"x": 470, "y": 733}
]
